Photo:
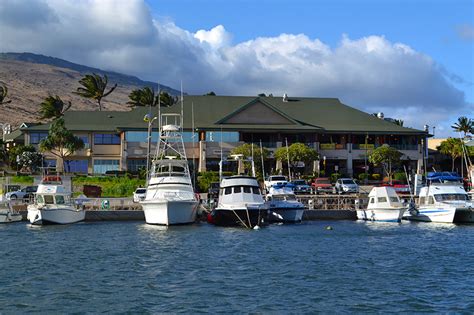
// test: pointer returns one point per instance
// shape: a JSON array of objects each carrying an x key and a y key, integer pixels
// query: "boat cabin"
[
  {"x": 170, "y": 167},
  {"x": 240, "y": 189},
  {"x": 442, "y": 193},
  {"x": 383, "y": 197}
]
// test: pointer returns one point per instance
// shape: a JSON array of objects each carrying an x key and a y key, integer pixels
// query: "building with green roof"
[{"x": 341, "y": 134}]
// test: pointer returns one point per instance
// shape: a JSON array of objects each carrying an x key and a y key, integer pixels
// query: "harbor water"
[{"x": 138, "y": 268}]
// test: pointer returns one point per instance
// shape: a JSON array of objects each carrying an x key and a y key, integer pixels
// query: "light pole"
[
  {"x": 5, "y": 128},
  {"x": 150, "y": 120}
]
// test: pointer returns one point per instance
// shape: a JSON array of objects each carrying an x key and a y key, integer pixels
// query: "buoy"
[
  {"x": 256, "y": 227},
  {"x": 329, "y": 227}
]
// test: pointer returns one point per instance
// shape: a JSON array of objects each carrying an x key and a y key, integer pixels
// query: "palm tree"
[
  {"x": 3, "y": 94},
  {"x": 94, "y": 87},
  {"x": 398, "y": 122},
  {"x": 53, "y": 107},
  {"x": 464, "y": 125},
  {"x": 451, "y": 147},
  {"x": 143, "y": 97}
]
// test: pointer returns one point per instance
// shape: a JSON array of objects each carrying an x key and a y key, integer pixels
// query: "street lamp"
[
  {"x": 5, "y": 129},
  {"x": 147, "y": 118},
  {"x": 324, "y": 164}
]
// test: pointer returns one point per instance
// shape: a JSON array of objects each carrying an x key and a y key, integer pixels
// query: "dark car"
[{"x": 301, "y": 187}]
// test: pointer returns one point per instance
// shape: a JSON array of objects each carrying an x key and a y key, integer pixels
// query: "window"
[
  {"x": 106, "y": 138},
  {"x": 372, "y": 200},
  {"x": 59, "y": 199},
  {"x": 226, "y": 136},
  {"x": 39, "y": 199},
  {"x": 228, "y": 190},
  {"x": 256, "y": 190},
  {"x": 102, "y": 166},
  {"x": 76, "y": 166},
  {"x": 247, "y": 189},
  {"x": 48, "y": 199},
  {"x": 142, "y": 136},
  {"x": 431, "y": 200},
  {"x": 36, "y": 137},
  {"x": 382, "y": 199},
  {"x": 50, "y": 163},
  {"x": 237, "y": 189},
  {"x": 394, "y": 199},
  {"x": 422, "y": 200},
  {"x": 134, "y": 165}
]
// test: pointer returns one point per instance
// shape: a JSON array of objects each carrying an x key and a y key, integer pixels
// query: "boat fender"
[
  {"x": 9, "y": 216},
  {"x": 256, "y": 227},
  {"x": 105, "y": 204},
  {"x": 329, "y": 228},
  {"x": 210, "y": 219}
]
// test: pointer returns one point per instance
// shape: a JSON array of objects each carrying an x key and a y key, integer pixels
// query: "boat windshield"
[
  {"x": 394, "y": 199},
  {"x": 451, "y": 197},
  {"x": 283, "y": 197},
  {"x": 50, "y": 199}
]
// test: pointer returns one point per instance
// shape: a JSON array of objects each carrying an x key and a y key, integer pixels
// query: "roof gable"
[{"x": 257, "y": 112}]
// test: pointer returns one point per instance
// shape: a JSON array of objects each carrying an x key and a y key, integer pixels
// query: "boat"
[
  {"x": 240, "y": 203},
  {"x": 53, "y": 204},
  {"x": 7, "y": 214},
  {"x": 283, "y": 205},
  {"x": 444, "y": 203},
  {"x": 384, "y": 205},
  {"x": 170, "y": 197}
]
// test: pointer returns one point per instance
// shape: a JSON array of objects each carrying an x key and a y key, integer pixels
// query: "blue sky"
[
  {"x": 412, "y": 60},
  {"x": 429, "y": 26}
]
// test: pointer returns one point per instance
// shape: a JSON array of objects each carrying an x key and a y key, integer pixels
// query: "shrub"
[
  {"x": 401, "y": 176},
  {"x": 335, "y": 177},
  {"x": 205, "y": 179},
  {"x": 25, "y": 180},
  {"x": 376, "y": 176},
  {"x": 363, "y": 176}
]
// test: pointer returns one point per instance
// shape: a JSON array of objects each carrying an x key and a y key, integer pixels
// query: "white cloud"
[{"x": 371, "y": 73}]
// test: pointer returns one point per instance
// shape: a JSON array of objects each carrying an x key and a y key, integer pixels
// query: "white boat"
[
  {"x": 170, "y": 197},
  {"x": 7, "y": 214},
  {"x": 444, "y": 203},
  {"x": 384, "y": 205},
  {"x": 53, "y": 204},
  {"x": 240, "y": 203},
  {"x": 283, "y": 205}
]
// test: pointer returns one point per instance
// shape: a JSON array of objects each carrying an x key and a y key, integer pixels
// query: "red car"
[
  {"x": 322, "y": 185},
  {"x": 399, "y": 186}
]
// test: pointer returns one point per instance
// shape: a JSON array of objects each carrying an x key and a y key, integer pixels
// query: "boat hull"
[
  {"x": 464, "y": 215},
  {"x": 8, "y": 216},
  {"x": 170, "y": 212},
  {"x": 55, "y": 216},
  {"x": 438, "y": 215},
  {"x": 382, "y": 215},
  {"x": 286, "y": 215},
  {"x": 238, "y": 217}
]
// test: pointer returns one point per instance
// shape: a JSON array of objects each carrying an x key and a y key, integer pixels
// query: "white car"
[
  {"x": 24, "y": 193},
  {"x": 139, "y": 194},
  {"x": 346, "y": 185}
]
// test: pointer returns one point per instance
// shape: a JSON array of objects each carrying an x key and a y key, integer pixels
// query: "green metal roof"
[{"x": 211, "y": 112}]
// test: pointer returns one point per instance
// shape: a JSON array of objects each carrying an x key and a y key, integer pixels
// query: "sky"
[{"x": 412, "y": 60}]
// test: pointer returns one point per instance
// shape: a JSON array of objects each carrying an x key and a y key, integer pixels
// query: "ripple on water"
[{"x": 138, "y": 268}]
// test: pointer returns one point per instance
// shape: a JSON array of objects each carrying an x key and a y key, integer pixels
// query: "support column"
[
  {"x": 202, "y": 156},
  {"x": 349, "y": 166}
]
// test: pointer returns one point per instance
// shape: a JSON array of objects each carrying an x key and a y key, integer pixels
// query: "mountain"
[{"x": 31, "y": 77}]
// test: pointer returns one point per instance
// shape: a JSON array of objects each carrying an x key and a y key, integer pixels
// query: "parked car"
[
  {"x": 346, "y": 185},
  {"x": 399, "y": 186},
  {"x": 275, "y": 180},
  {"x": 301, "y": 187},
  {"x": 25, "y": 193},
  {"x": 322, "y": 185},
  {"x": 139, "y": 194}
]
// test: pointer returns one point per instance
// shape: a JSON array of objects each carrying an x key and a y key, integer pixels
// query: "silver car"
[
  {"x": 139, "y": 194},
  {"x": 346, "y": 186}
]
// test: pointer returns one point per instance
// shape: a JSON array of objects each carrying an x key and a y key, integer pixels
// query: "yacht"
[
  {"x": 53, "y": 204},
  {"x": 170, "y": 197},
  {"x": 283, "y": 205},
  {"x": 384, "y": 205},
  {"x": 445, "y": 203},
  {"x": 7, "y": 214},
  {"x": 240, "y": 203}
]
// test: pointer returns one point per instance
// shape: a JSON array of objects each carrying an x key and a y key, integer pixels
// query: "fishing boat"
[
  {"x": 170, "y": 197},
  {"x": 7, "y": 214},
  {"x": 53, "y": 204},
  {"x": 240, "y": 203},
  {"x": 444, "y": 203},
  {"x": 283, "y": 205},
  {"x": 384, "y": 205}
]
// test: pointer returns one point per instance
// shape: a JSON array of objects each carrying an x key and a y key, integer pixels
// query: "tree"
[
  {"x": 53, "y": 107},
  {"x": 167, "y": 100},
  {"x": 298, "y": 152},
  {"x": 398, "y": 122},
  {"x": 246, "y": 151},
  {"x": 210, "y": 94},
  {"x": 451, "y": 147},
  {"x": 386, "y": 156},
  {"x": 3, "y": 152},
  {"x": 60, "y": 141},
  {"x": 16, "y": 152},
  {"x": 93, "y": 87},
  {"x": 143, "y": 97},
  {"x": 464, "y": 125},
  {"x": 4, "y": 94},
  {"x": 30, "y": 161}
]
